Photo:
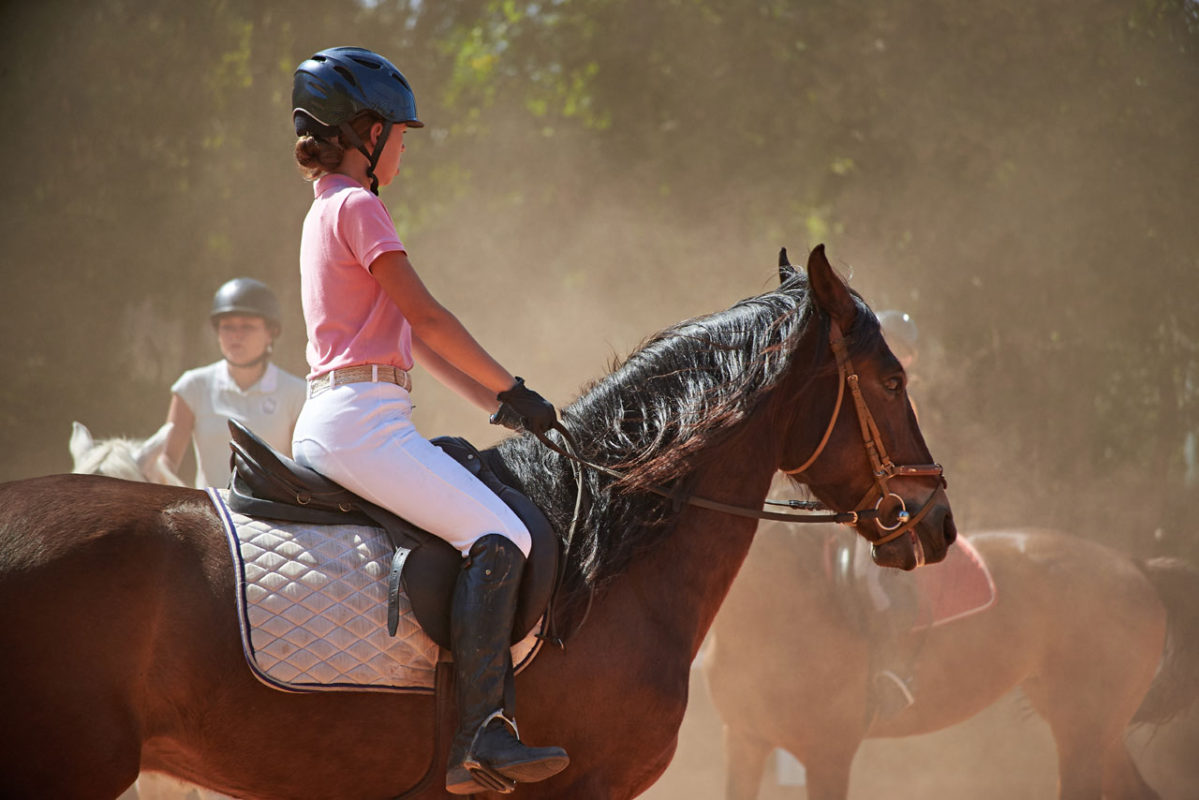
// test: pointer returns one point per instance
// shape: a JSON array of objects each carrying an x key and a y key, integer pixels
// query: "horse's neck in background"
[{"x": 129, "y": 459}]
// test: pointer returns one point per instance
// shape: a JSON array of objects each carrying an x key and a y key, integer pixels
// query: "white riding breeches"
[{"x": 361, "y": 436}]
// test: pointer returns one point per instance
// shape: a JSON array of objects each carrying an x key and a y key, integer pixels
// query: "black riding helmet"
[
  {"x": 336, "y": 85},
  {"x": 250, "y": 297}
]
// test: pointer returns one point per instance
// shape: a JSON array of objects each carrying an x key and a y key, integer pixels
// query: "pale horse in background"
[
  {"x": 135, "y": 460},
  {"x": 131, "y": 459}
]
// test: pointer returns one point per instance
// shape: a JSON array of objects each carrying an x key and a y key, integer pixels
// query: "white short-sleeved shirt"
[{"x": 269, "y": 408}]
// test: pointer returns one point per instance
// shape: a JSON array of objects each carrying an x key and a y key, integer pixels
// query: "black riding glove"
[{"x": 521, "y": 408}]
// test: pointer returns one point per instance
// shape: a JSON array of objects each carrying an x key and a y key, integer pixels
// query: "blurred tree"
[
  {"x": 1027, "y": 176},
  {"x": 156, "y": 164}
]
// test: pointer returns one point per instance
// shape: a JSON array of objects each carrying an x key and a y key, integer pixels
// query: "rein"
[
  {"x": 881, "y": 465},
  {"x": 570, "y": 450}
]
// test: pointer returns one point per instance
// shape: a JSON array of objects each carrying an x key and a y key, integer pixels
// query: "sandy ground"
[{"x": 1000, "y": 754}]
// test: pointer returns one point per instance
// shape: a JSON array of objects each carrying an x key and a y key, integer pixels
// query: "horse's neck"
[{"x": 683, "y": 580}]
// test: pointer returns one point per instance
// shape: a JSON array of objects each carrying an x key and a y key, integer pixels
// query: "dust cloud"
[{"x": 1022, "y": 181}]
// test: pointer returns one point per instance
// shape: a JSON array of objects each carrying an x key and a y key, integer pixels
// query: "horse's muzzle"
[{"x": 927, "y": 543}]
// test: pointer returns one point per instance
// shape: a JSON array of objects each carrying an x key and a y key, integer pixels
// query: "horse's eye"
[{"x": 893, "y": 384}]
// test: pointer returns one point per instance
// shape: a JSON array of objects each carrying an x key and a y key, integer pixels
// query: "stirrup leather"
[{"x": 483, "y": 774}]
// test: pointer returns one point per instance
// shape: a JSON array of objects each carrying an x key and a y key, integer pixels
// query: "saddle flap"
[
  {"x": 844, "y": 584},
  {"x": 872, "y": 597},
  {"x": 541, "y": 569}
]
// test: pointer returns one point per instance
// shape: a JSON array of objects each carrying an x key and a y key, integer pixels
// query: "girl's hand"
[{"x": 523, "y": 408}]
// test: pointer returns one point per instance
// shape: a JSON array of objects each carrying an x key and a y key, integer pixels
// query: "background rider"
[{"x": 244, "y": 385}]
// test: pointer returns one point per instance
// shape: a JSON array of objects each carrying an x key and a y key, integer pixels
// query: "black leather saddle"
[
  {"x": 846, "y": 585},
  {"x": 269, "y": 485}
]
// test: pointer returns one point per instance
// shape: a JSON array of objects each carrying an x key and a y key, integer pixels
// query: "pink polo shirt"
[{"x": 349, "y": 318}]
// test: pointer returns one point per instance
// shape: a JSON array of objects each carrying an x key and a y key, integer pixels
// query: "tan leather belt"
[{"x": 363, "y": 373}]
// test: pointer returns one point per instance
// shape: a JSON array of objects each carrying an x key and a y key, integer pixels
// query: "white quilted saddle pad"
[{"x": 312, "y": 605}]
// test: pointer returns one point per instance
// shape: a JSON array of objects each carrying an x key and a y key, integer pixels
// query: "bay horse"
[
  {"x": 122, "y": 650},
  {"x": 1081, "y": 629}
]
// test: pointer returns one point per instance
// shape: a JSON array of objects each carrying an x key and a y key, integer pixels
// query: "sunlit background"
[{"x": 1022, "y": 178}]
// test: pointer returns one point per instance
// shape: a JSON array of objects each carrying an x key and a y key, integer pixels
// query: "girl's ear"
[{"x": 376, "y": 132}]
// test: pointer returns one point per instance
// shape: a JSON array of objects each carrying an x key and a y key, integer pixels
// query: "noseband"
[
  {"x": 882, "y": 468},
  {"x": 881, "y": 465}
]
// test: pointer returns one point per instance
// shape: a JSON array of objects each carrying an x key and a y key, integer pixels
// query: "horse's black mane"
[{"x": 658, "y": 414}]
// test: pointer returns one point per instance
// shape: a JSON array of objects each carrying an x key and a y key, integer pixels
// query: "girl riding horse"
[
  {"x": 369, "y": 318},
  {"x": 118, "y": 599},
  {"x": 244, "y": 385}
]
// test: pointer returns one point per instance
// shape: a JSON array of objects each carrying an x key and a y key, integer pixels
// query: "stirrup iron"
[{"x": 483, "y": 774}]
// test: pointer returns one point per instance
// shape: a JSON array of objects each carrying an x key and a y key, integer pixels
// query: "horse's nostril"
[{"x": 950, "y": 530}]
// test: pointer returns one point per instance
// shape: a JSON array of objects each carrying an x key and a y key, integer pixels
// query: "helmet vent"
[
  {"x": 345, "y": 73},
  {"x": 364, "y": 62}
]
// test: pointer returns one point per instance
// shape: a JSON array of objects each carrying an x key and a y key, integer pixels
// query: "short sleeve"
[
  {"x": 190, "y": 387},
  {"x": 367, "y": 228}
]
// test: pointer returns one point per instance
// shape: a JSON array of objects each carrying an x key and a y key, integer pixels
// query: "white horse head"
[{"x": 131, "y": 459}]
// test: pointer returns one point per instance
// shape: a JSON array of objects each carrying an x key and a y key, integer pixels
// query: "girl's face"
[
  {"x": 389, "y": 161},
  {"x": 243, "y": 338}
]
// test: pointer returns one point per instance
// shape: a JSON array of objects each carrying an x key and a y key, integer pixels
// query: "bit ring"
[{"x": 901, "y": 517}]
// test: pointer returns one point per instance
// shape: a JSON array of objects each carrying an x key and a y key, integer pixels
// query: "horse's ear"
[
  {"x": 81, "y": 440},
  {"x": 785, "y": 269},
  {"x": 830, "y": 290},
  {"x": 152, "y": 447},
  {"x": 149, "y": 461}
]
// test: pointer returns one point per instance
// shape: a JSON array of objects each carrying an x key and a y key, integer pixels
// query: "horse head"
[
  {"x": 871, "y": 457},
  {"x": 130, "y": 459}
]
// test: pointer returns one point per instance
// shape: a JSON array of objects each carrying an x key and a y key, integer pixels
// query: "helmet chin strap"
[{"x": 372, "y": 157}]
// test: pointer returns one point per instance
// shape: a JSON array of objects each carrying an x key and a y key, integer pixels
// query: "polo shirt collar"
[{"x": 265, "y": 385}]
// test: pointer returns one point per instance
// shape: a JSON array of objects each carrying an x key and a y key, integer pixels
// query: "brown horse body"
[
  {"x": 1078, "y": 627},
  {"x": 166, "y": 686},
  {"x": 121, "y": 648}
]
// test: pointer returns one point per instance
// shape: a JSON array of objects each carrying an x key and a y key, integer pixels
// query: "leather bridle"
[
  {"x": 881, "y": 465},
  {"x": 882, "y": 468}
]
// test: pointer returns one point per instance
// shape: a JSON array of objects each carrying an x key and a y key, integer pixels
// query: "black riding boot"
[{"x": 486, "y": 753}]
